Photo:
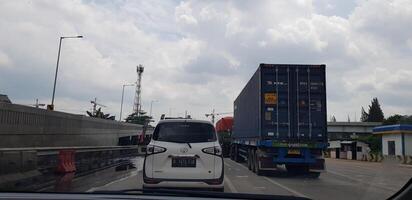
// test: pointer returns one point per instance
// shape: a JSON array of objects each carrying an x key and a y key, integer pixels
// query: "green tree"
[
  {"x": 406, "y": 119},
  {"x": 374, "y": 141},
  {"x": 100, "y": 114},
  {"x": 375, "y": 113},
  {"x": 364, "y": 115},
  {"x": 394, "y": 119},
  {"x": 142, "y": 118},
  {"x": 398, "y": 119}
]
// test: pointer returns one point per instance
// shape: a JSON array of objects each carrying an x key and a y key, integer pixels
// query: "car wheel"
[
  {"x": 252, "y": 160},
  {"x": 249, "y": 159}
]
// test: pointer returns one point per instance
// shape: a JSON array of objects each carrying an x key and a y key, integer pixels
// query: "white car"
[{"x": 184, "y": 153}]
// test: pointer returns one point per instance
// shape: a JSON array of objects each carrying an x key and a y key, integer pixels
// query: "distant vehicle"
[
  {"x": 280, "y": 118},
  {"x": 183, "y": 153},
  {"x": 224, "y": 132}
]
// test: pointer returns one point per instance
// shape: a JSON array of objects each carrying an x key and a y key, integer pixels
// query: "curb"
[{"x": 405, "y": 165}]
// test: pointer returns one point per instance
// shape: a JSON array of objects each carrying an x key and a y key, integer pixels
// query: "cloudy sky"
[{"x": 198, "y": 55}]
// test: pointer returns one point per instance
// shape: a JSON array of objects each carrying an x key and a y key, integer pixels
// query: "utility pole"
[
  {"x": 121, "y": 103},
  {"x": 213, "y": 115},
  {"x": 95, "y": 104},
  {"x": 137, "y": 98},
  {"x": 51, "y": 106},
  {"x": 37, "y": 104},
  {"x": 151, "y": 105}
]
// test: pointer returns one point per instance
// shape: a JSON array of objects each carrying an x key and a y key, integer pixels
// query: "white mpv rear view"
[{"x": 183, "y": 153}]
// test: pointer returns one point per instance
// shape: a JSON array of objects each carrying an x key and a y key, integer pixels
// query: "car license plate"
[
  {"x": 293, "y": 151},
  {"x": 183, "y": 162}
]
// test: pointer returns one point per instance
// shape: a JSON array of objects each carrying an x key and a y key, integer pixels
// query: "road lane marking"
[
  {"x": 113, "y": 182},
  {"x": 239, "y": 165},
  {"x": 230, "y": 184},
  {"x": 296, "y": 193},
  {"x": 357, "y": 180},
  {"x": 227, "y": 164},
  {"x": 242, "y": 176}
]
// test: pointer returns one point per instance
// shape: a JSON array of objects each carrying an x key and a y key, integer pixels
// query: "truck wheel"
[
  {"x": 231, "y": 153},
  {"x": 236, "y": 154},
  {"x": 249, "y": 159},
  {"x": 257, "y": 170},
  {"x": 314, "y": 174}
]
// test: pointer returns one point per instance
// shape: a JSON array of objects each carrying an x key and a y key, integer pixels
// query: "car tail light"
[
  {"x": 213, "y": 150},
  {"x": 151, "y": 149}
]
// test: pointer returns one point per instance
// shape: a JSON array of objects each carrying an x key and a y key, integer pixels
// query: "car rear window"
[{"x": 183, "y": 132}]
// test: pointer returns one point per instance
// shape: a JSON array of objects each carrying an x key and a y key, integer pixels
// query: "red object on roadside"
[
  {"x": 224, "y": 124},
  {"x": 66, "y": 161}
]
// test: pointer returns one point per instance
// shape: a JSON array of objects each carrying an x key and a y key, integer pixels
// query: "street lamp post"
[
  {"x": 121, "y": 104},
  {"x": 57, "y": 69},
  {"x": 151, "y": 104}
]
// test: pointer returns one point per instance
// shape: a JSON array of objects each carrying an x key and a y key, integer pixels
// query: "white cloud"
[
  {"x": 183, "y": 14},
  {"x": 5, "y": 61},
  {"x": 198, "y": 55}
]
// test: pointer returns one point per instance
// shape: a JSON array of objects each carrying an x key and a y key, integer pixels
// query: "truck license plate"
[{"x": 293, "y": 151}]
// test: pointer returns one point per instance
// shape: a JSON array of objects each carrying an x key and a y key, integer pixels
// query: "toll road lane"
[{"x": 343, "y": 180}]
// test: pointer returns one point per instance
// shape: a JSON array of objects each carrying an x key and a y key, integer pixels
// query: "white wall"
[
  {"x": 408, "y": 144},
  {"x": 343, "y": 155},
  {"x": 333, "y": 153},
  {"x": 392, "y": 137},
  {"x": 360, "y": 155},
  {"x": 349, "y": 155}
]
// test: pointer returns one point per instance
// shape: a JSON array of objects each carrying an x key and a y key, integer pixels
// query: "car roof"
[{"x": 184, "y": 120}]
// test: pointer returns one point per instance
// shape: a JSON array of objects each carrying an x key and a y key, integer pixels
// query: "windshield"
[
  {"x": 184, "y": 132},
  {"x": 301, "y": 98}
]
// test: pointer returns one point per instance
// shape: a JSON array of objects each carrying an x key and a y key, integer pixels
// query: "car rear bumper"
[
  {"x": 183, "y": 184},
  {"x": 197, "y": 183},
  {"x": 150, "y": 182}
]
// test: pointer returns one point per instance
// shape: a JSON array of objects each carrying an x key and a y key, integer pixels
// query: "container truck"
[{"x": 280, "y": 119}]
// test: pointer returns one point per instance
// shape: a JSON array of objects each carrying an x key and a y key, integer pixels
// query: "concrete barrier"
[
  {"x": 10, "y": 162},
  {"x": 24, "y": 126}
]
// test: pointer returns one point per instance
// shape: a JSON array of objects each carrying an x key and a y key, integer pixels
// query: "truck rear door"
[{"x": 293, "y": 102}]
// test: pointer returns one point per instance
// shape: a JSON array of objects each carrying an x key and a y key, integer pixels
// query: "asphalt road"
[{"x": 343, "y": 179}]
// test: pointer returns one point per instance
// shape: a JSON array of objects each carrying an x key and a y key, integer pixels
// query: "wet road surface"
[{"x": 343, "y": 179}]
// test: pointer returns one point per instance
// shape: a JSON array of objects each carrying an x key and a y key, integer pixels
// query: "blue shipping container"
[{"x": 284, "y": 103}]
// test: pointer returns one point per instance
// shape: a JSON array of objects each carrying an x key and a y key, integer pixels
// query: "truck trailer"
[
  {"x": 280, "y": 119},
  {"x": 224, "y": 132}
]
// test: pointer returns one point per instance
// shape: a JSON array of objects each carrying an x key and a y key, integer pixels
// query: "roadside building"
[
  {"x": 343, "y": 137},
  {"x": 396, "y": 139},
  {"x": 348, "y": 149},
  {"x": 350, "y": 130}
]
